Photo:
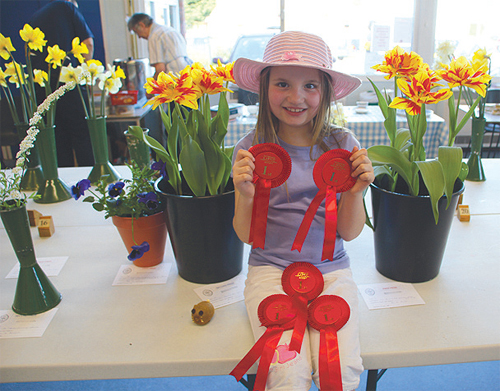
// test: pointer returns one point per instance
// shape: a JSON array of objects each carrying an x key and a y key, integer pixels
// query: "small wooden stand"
[
  {"x": 45, "y": 226},
  {"x": 34, "y": 215},
  {"x": 463, "y": 213}
]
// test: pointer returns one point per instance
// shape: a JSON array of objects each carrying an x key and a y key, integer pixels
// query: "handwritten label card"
[
  {"x": 390, "y": 294},
  {"x": 134, "y": 275},
  {"x": 51, "y": 266},
  {"x": 13, "y": 325},
  {"x": 223, "y": 293}
]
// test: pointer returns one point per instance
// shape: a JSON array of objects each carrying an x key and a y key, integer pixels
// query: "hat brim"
[{"x": 247, "y": 76}]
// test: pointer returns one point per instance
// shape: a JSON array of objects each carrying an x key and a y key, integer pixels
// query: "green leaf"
[
  {"x": 194, "y": 168},
  {"x": 451, "y": 160},
  {"x": 403, "y": 140},
  {"x": 466, "y": 117},
  {"x": 432, "y": 174},
  {"x": 218, "y": 130},
  {"x": 452, "y": 118},
  {"x": 390, "y": 156},
  {"x": 464, "y": 171}
]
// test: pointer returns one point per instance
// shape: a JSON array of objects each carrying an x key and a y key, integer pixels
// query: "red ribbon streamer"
[
  {"x": 330, "y": 376},
  {"x": 307, "y": 220},
  {"x": 330, "y": 224},
  {"x": 258, "y": 226},
  {"x": 265, "y": 348},
  {"x": 300, "y": 304}
]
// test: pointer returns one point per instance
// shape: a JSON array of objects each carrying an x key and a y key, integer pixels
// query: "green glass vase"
[
  {"x": 138, "y": 150},
  {"x": 53, "y": 188},
  {"x": 102, "y": 166},
  {"x": 476, "y": 171},
  {"x": 34, "y": 292},
  {"x": 33, "y": 176}
]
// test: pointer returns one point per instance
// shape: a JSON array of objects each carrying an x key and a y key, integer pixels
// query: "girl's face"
[{"x": 294, "y": 96}]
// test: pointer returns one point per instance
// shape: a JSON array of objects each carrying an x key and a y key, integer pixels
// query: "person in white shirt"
[{"x": 166, "y": 46}]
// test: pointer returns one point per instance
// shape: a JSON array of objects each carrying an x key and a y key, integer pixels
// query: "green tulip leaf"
[
  {"x": 433, "y": 176},
  {"x": 390, "y": 156},
  {"x": 451, "y": 160},
  {"x": 402, "y": 141},
  {"x": 194, "y": 168}
]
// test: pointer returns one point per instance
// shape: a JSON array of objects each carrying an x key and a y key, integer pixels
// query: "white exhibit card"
[
  {"x": 51, "y": 266},
  {"x": 389, "y": 294},
  {"x": 134, "y": 275},
  {"x": 13, "y": 325},
  {"x": 223, "y": 293}
]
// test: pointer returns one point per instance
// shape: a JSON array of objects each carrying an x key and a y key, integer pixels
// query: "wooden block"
[
  {"x": 463, "y": 213},
  {"x": 460, "y": 200},
  {"x": 34, "y": 215},
  {"x": 45, "y": 226}
]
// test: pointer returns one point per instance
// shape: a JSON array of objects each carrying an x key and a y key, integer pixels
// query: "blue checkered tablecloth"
[{"x": 368, "y": 129}]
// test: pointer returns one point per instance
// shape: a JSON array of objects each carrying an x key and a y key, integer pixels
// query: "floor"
[{"x": 484, "y": 376}]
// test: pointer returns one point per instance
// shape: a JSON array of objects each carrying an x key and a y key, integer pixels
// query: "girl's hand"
[
  {"x": 243, "y": 168},
  {"x": 362, "y": 169}
]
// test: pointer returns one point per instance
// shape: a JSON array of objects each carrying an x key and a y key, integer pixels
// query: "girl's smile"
[{"x": 294, "y": 96}]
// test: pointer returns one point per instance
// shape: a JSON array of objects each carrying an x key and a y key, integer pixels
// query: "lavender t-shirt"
[{"x": 287, "y": 206}]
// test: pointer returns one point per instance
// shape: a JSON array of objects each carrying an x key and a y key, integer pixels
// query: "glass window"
[{"x": 467, "y": 30}]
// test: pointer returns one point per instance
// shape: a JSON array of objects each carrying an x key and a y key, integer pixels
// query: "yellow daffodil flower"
[
  {"x": 3, "y": 78},
  {"x": 70, "y": 74},
  {"x": 94, "y": 68},
  {"x": 34, "y": 37},
  {"x": 399, "y": 63},
  {"x": 78, "y": 49},
  {"x": 418, "y": 91},
  {"x": 13, "y": 70},
  {"x": 111, "y": 85},
  {"x": 461, "y": 73},
  {"x": 6, "y": 47},
  {"x": 56, "y": 56},
  {"x": 40, "y": 77}
]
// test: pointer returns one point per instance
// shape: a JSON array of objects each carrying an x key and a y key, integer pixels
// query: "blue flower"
[
  {"x": 115, "y": 189},
  {"x": 160, "y": 166},
  {"x": 79, "y": 189},
  {"x": 138, "y": 251},
  {"x": 150, "y": 199}
]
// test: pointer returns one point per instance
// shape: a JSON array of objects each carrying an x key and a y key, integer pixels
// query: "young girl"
[{"x": 296, "y": 86}]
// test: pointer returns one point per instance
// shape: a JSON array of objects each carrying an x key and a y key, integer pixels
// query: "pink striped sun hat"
[{"x": 297, "y": 49}]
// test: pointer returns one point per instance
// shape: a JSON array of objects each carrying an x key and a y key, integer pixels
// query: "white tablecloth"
[{"x": 368, "y": 129}]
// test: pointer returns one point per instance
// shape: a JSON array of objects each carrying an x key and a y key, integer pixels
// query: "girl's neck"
[{"x": 299, "y": 137}]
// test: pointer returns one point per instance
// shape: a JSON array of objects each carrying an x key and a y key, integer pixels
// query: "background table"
[
  {"x": 102, "y": 331},
  {"x": 368, "y": 129}
]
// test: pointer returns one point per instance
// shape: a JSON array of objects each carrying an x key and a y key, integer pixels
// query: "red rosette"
[
  {"x": 332, "y": 175},
  {"x": 272, "y": 168},
  {"x": 277, "y": 313},
  {"x": 328, "y": 314},
  {"x": 303, "y": 282}
]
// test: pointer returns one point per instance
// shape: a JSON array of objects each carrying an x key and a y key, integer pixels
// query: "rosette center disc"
[{"x": 268, "y": 165}]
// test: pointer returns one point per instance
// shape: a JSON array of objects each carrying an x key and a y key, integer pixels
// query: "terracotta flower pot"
[{"x": 151, "y": 229}]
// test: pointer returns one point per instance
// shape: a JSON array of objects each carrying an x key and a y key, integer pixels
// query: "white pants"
[{"x": 289, "y": 370}]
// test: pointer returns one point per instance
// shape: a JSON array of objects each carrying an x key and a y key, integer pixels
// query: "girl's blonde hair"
[{"x": 267, "y": 127}]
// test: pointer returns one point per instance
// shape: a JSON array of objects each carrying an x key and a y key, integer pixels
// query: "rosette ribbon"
[
  {"x": 303, "y": 282},
  {"x": 332, "y": 175},
  {"x": 328, "y": 314},
  {"x": 272, "y": 168},
  {"x": 276, "y": 312}
]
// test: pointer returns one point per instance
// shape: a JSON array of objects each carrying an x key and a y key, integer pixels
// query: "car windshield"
[{"x": 251, "y": 47}]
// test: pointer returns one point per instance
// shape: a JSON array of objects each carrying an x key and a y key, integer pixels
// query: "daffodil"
[
  {"x": 16, "y": 73},
  {"x": 34, "y": 37},
  {"x": 40, "y": 77},
  {"x": 94, "y": 68},
  {"x": 3, "y": 78},
  {"x": 56, "y": 56},
  {"x": 69, "y": 73},
  {"x": 399, "y": 63},
  {"x": 78, "y": 49},
  {"x": 110, "y": 84},
  {"x": 6, "y": 47}
]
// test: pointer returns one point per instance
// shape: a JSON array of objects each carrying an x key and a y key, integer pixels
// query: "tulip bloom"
[{"x": 399, "y": 63}]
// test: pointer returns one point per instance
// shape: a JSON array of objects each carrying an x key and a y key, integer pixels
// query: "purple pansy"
[
  {"x": 115, "y": 189},
  {"x": 160, "y": 166},
  {"x": 138, "y": 251},
  {"x": 150, "y": 199},
  {"x": 79, "y": 189}
]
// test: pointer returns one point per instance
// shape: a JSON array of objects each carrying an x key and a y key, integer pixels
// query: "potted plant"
[
  {"x": 410, "y": 242},
  {"x": 196, "y": 184},
  {"x": 34, "y": 292},
  {"x": 109, "y": 82},
  {"x": 45, "y": 180},
  {"x": 135, "y": 210}
]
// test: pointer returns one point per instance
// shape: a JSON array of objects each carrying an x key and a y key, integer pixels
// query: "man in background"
[
  {"x": 166, "y": 46},
  {"x": 61, "y": 21}
]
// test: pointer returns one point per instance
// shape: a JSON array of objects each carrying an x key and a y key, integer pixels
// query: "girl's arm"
[
  {"x": 351, "y": 212},
  {"x": 244, "y": 193}
]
